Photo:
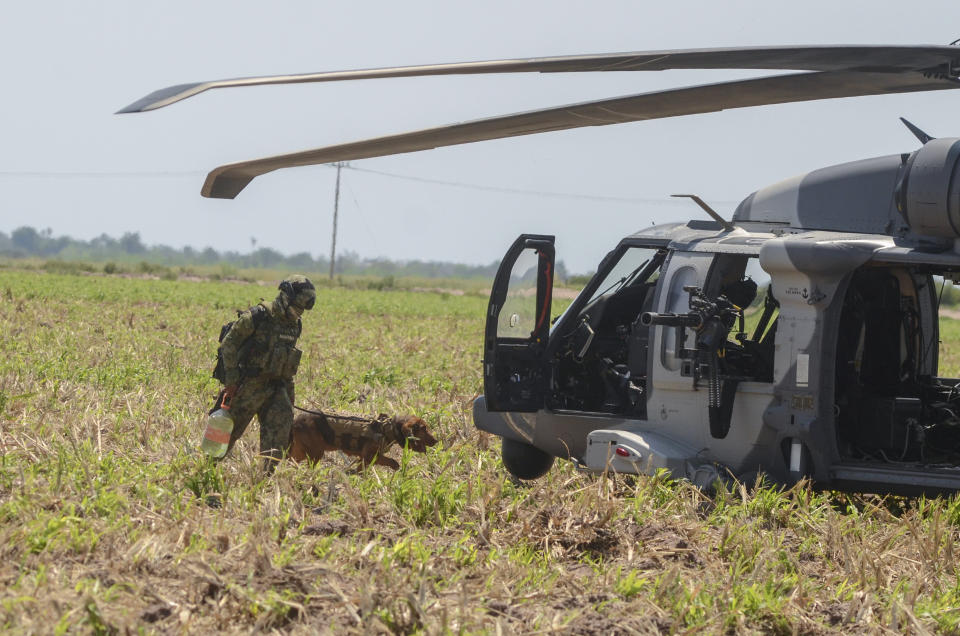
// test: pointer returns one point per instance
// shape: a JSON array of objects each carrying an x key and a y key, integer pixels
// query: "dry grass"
[{"x": 110, "y": 520}]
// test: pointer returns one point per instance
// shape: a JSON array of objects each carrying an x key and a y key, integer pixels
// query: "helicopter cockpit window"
[
  {"x": 601, "y": 363},
  {"x": 518, "y": 316},
  {"x": 628, "y": 271}
]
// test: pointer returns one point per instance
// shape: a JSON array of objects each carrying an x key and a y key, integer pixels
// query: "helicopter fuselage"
[{"x": 829, "y": 373}]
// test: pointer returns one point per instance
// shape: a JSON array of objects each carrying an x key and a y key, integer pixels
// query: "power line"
[
  {"x": 404, "y": 177},
  {"x": 362, "y": 217},
  {"x": 99, "y": 175},
  {"x": 541, "y": 193}
]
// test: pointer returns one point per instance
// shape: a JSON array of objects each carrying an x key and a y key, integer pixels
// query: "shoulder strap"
[
  {"x": 258, "y": 313},
  {"x": 299, "y": 327}
]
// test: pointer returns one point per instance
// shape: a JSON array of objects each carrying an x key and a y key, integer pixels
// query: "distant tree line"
[{"x": 26, "y": 242}]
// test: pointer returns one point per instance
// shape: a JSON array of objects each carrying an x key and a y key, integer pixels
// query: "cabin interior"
[{"x": 895, "y": 400}]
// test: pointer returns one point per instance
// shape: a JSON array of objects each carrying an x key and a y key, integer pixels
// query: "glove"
[{"x": 228, "y": 394}]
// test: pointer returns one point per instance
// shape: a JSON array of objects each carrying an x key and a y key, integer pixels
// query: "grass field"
[{"x": 111, "y": 521}]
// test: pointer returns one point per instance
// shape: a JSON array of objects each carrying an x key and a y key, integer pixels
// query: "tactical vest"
[
  {"x": 258, "y": 313},
  {"x": 271, "y": 351}
]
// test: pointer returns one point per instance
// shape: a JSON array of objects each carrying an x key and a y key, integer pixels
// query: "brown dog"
[{"x": 315, "y": 432}]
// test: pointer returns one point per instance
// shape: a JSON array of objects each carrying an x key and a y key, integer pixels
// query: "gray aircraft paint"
[{"x": 810, "y": 233}]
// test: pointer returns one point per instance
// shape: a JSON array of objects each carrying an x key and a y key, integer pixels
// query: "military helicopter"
[{"x": 658, "y": 363}]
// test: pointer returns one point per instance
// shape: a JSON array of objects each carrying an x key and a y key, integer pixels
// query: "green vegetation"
[
  {"x": 111, "y": 520},
  {"x": 129, "y": 254}
]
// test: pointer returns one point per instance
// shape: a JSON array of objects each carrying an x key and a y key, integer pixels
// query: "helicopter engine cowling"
[{"x": 928, "y": 196}]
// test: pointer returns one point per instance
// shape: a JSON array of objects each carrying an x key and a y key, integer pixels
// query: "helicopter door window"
[
  {"x": 748, "y": 353},
  {"x": 678, "y": 302},
  {"x": 518, "y": 316}
]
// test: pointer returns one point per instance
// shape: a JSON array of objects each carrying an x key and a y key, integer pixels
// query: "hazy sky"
[{"x": 68, "y": 163}]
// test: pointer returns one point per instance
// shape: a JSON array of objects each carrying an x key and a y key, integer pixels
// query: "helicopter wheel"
[{"x": 524, "y": 461}]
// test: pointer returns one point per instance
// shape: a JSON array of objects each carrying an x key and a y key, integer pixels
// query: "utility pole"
[{"x": 336, "y": 207}]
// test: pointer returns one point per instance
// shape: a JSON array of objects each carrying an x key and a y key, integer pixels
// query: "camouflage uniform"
[{"x": 260, "y": 359}]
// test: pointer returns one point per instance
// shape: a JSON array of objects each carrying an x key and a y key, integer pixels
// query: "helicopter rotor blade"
[
  {"x": 225, "y": 182},
  {"x": 934, "y": 59}
]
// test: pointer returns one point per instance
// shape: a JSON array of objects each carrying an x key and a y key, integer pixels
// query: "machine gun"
[{"x": 712, "y": 321}]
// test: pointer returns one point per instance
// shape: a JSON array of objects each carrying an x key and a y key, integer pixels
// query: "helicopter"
[{"x": 672, "y": 357}]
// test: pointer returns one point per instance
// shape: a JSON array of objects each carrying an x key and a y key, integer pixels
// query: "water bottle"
[{"x": 216, "y": 438}]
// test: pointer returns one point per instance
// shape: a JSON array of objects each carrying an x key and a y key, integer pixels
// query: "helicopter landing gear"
[{"x": 524, "y": 461}]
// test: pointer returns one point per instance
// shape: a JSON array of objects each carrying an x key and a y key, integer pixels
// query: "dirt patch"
[{"x": 327, "y": 527}]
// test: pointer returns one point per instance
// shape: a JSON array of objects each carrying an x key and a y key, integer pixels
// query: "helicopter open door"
[{"x": 518, "y": 324}]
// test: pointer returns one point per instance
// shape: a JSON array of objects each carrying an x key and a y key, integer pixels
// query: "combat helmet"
[{"x": 299, "y": 291}]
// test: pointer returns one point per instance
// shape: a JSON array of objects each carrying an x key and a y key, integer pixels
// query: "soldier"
[{"x": 260, "y": 359}]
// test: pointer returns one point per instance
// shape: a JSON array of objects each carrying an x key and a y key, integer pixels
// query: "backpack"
[{"x": 259, "y": 314}]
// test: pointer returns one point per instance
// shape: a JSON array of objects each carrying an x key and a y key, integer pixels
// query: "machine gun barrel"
[{"x": 692, "y": 319}]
